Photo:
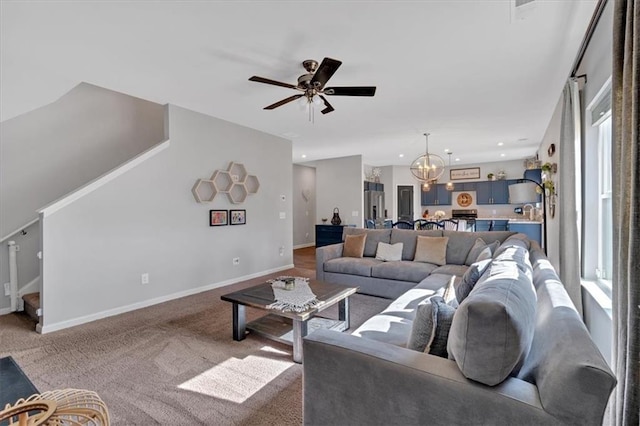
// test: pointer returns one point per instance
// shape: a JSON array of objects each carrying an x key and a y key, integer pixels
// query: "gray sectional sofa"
[{"x": 518, "y": 351}]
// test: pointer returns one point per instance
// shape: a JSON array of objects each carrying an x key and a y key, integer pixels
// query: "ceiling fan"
[{"x": 312, "y": 85}]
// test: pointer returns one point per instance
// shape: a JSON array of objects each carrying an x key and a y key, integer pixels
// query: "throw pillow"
[
  {"x": 494, "y": 247},
  {"x": 354, "y": 245},
  {"x": 449, "y": 294},
  {"x": 431, "y": 250},
  {"x": 478, "y": 246},
  {"x": 469, "y": 279},
  {"x": 389, "y": 252},
  {"x": 430, "y": 328},
  {"x": 484, "y": 254}
]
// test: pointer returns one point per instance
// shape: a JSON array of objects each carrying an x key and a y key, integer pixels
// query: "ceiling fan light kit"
[{"x": 312, "y": 85}]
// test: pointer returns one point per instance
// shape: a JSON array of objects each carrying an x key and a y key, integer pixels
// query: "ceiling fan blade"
[
  {"x": 284, "y": 101},
  {"x": 351, "y": 91},
  {"x": 328, "y": 108},
  {"x": 327, "y": 68},
  {"x": 275, "y": 83}
]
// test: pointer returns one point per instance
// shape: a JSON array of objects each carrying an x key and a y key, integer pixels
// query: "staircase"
[{"x": 31, "y": 305}]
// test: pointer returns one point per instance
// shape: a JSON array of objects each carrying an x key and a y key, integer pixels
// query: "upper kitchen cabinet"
[
  {"x": 436, "y": 196},
  {"x": 493, "y": 192}
]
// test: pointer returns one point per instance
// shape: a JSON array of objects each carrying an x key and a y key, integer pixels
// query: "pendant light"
[
  {"x": 450, "y": 186},
  {"x": 428, "y": 167}
]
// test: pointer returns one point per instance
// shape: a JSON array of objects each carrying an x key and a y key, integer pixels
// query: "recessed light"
[
  {"x": 503, "y": 155},
  {"x": 500, "y": 143},
  {"x": 304, "y": 155},
  {"x": 446, "y": 150},
  {"x": 457, "y": 159},
  {"x": 401, "y": 155}
]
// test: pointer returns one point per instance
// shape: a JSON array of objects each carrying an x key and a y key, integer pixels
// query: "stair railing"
[{"x": 13, "y": 264}]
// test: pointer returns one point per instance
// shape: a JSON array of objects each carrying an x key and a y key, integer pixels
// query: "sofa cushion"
[
  {"x": 374, "y": 236},
  {"x": 408, "y": 238},
  {"x": 460, "y": 243},
  {"x": 457, "y": 270},
  {"x": 430, "y": 328},
  {"x": 434, "y": 281},
  {"x": 386, "y": 328},
  {"x": 403, "y": 270},
  {"x": 493, "y": 327},
  {"x": 431, "y": 250},
  {"x": 354, "y": 245},
  {"x": 389, "y": 252},
  {"x": 350, "y": 265},
  {"x": 470, "y": 278},
  {"x": 406, "y": 304}
]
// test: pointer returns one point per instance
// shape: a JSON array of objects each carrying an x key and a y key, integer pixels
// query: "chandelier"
[{"x": 428, "y": 167}]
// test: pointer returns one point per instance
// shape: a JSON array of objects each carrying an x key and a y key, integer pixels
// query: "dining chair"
[
  {"x": 449, "y": 224},
  {"x": 403, "y": 224},
  {"x": 370, "y": 224},
  {"x": 430, "y": 224}
]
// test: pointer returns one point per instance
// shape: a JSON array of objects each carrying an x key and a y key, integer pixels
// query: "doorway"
[{"x": 405, "y": 202}]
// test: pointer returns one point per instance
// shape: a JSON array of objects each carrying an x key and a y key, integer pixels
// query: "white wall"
[
  {"x": 339, "y": 184},
  {"x": 304, "y": 209},
  {"x": 55, "y": 149},
  {"x": 147, "y": 221},
  {"x": 596, "y": 64}
]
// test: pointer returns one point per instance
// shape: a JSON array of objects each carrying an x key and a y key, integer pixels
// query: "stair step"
[{"x": 32, "y": 304}]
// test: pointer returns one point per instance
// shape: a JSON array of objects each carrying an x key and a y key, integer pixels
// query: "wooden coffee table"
[{"x": 289, "y": 327}]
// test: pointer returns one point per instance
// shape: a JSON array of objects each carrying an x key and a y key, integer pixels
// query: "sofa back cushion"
[
  {"x": 460, "y": 243},
  {"x": 493, "y": 327},
  {"x": 374, "y": 236},
  {"x": 408, "y": 238},
  {"x": 573, "y": 379}
]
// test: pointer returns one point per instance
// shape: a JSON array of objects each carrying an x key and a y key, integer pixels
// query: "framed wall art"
[
  {"x": 238, "y": 217},
  {"x": 461, "y": 174},
  {"x": 218, "y": 218}
]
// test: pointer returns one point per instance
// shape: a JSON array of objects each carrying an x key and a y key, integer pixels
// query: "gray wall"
[
  {"x": 304, "y": 210},
  {"x": 339, "y": 184},
  {"x": 51, "y": 151},
  {"x": 147, "y": 221}
]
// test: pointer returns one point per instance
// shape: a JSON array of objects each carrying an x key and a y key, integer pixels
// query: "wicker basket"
[{"x": 68, "y": 407}]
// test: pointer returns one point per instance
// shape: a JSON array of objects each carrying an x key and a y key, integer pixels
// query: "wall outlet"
[
  {"x": 144, "y": 278},
  {"x": 354, "y": 213},
  {"x": 7, "y": 289},
  {"x": 283, "y": 215},
  {"x": 281, "y": 250},
  {"x": 236, "y": 261}
]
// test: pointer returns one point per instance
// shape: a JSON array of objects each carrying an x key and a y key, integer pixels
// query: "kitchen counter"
[{"x": 513, "y": 220}]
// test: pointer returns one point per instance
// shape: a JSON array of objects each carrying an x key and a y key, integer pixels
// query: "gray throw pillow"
[
  {"x": 470, "y": 278},
  {"x": 478, "y": 246},
  {"x": 430, "y": 329}
]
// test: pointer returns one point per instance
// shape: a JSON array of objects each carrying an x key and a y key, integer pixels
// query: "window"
[
  {"x": 605, "y": 225},
  {"x": 597, "y": 219}
]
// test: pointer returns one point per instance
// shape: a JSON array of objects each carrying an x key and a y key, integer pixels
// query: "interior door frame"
[{"x": 399, "y": 190}]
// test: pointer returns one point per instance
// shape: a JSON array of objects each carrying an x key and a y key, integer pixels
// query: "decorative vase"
[{"x": 335, "y": 220}]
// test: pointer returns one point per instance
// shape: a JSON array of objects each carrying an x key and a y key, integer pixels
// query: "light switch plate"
[{"x": 283, "y": 215}]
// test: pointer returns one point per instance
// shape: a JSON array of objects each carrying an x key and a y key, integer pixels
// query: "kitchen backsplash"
[{"x": 484, "y": 211}]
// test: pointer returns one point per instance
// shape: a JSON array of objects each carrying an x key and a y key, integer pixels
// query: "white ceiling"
[{"x": 468, "y": 72}]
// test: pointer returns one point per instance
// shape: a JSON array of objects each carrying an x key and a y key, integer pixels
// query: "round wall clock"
[{"x": 464, "y": 199}]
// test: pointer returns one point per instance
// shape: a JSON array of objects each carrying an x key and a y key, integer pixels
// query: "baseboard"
[
  {"x": 48, "y": 328},
  {"x": 299, "y": 246},
  {"x": 5, "y": 311}
]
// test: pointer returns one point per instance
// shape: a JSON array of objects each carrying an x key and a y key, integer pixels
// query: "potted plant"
[{"x": 491, "y": 176}]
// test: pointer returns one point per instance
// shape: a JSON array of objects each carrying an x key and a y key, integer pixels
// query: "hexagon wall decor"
[{"x": 235, "y": 182}]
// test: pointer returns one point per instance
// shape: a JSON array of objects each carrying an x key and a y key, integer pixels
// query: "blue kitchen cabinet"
[
  {"x": 532, "y": 230},
  {"x": 436, "y": 196}
]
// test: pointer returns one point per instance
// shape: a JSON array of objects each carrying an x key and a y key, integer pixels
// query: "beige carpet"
[{"x": 173, "y": 363}]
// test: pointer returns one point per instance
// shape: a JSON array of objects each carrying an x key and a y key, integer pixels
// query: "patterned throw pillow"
[
  {"x": 389, "y": 252},
  {"x": 354, "y": 245},
  {"x": 430, "y": 329},
  {"x": 470, "y": 278}
]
